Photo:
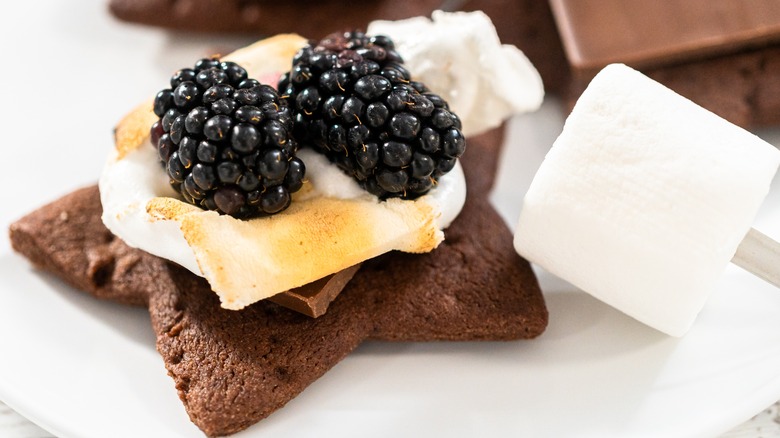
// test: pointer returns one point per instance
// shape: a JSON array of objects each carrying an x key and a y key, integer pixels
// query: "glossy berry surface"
[
  {"x": 353, "y": 100},
  {"x": 226, "y": 140}
]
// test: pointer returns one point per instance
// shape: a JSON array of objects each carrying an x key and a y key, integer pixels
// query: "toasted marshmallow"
[{"x": 331, "y": 225}]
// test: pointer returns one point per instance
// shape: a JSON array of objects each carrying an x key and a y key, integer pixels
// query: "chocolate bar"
[{"x": 648, "y": 35}]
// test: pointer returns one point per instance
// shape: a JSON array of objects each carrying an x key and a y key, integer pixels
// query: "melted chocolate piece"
[{"x": 314, "y": 298}]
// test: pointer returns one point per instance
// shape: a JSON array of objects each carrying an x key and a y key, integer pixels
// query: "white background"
[{"x": 71, "y": 72}]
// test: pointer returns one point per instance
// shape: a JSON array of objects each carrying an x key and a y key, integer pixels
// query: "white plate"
[{"x": 84, "y": 368}]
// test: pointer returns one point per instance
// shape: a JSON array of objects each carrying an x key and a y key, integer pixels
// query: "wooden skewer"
[{"x": 759, "y": 255}]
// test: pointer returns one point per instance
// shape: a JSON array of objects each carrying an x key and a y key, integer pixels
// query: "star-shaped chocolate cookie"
[{"x": 234, "y": 368}]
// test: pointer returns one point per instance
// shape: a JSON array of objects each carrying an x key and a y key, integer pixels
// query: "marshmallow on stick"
[{"x": 644, "y": 199}]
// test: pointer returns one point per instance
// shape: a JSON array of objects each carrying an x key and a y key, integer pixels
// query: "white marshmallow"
[
  {"x": 459, "y": 56},
  {"x": 644, "y": 198},
  {"x": 141, "y": 208}
]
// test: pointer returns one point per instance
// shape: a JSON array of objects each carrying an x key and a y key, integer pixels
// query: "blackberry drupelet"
[
  {"x": 353, "y": 100},
  {"x": 226, "y": 140}
]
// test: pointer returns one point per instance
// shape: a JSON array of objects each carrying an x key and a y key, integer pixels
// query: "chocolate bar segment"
[
  {"x": 647, "y": 34},
  {"x": 314, "y": 298}
]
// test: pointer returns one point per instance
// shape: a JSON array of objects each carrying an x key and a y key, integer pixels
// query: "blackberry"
[
  {"x": 353, "y": 100},
  {"x": 226, "y": 140}
]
